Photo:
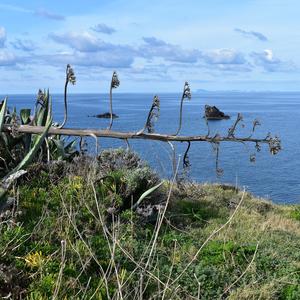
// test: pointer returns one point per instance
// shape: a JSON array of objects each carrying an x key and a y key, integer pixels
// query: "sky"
[{"x": 155, "y": 46}]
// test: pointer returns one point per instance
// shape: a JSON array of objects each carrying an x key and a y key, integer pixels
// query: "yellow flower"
[
  {"x": 76, "y": 183},
  {"x": 35, "y": 259}
]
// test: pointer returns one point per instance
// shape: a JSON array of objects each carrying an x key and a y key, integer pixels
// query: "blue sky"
[{"x": 153, "y": 45}]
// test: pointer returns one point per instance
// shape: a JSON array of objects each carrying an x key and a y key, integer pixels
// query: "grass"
[{"x": 73, "y": 235}]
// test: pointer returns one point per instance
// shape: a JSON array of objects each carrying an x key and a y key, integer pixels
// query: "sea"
[{"x": 275, "y": 177}]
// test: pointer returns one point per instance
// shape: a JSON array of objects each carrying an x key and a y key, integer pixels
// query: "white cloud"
[
  {"x": 48, "y": 14},
  {"x": 270, "y": 63},
  {"x": 158, "y": 48},
  {"x": 7, "y": 58},
  {"x": 103, "y": 28},
  {"x": 84, "y": 42},
  {"x": 224, "y": 56},
  {"x": 252, "y": 34},
  {"x": 24, "y": 45}
]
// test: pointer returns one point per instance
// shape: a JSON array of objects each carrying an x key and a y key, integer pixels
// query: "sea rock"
[
  {"x": 213, "y": 113},
  {"x": 105, "y": 116}
]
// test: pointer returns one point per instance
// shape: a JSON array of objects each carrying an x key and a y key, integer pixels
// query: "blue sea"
[{"x": 274, "y": 177}]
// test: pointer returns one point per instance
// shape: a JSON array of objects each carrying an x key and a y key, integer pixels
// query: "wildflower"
[
  {"x": 34, "y": 260},
  {"x": 77, "y": 183}
]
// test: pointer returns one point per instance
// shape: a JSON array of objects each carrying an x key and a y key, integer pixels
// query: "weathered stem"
[
  {"x": 180, "y": 115},
  {"x": 110, "y": 109},
  {"x": 113, "y": 85},
  {"x": 66, "y": 105},
  {"x": 131, "y": 135}
]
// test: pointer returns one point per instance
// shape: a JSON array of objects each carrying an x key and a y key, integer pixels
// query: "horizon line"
[{"x": 199, "y": 91}]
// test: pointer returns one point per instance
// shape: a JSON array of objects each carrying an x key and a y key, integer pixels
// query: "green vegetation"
[{"x": 74, "y": 235}]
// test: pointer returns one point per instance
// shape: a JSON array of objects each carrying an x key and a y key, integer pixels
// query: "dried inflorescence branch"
[
  {"x": 186, "y": 159},
  {"x": 115, "y": 82},
  {"x": 185, "y": 95},
  {"x": 255, "y": 124},
  {"x": 70, "y": 78},
  {"x": 153, "y": 116},
  {"x": 216, "y": 148},
  {"x": 232, "y": 129},
  {"x": 274, "y": 145},
  {"x": 70, "y": 75}
]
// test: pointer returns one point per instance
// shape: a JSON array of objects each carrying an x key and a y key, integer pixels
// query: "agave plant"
[
  {"x": 8, "y": 179},
  {"x": 15, "y": 146},
  {"x": 11, "y": 144}
]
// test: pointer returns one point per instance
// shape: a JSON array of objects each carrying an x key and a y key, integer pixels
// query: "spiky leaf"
[
  {"x": 145, "y": 194},
  {"x": 3, "y": 113},
  {"x": 25, "y": 115}
]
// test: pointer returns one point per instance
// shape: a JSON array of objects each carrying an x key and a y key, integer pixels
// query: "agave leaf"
[
  {"x": 71, "y": 145},
  {"x": 43, "y": 111},
  {"x": 60, "y": 148},
  {"x": 145, "y": 194},
  {"x": 30, "y": 155},
  {"x": 70, "y": 149},
  {"x": 2, "y": 113},
  {"x": 25, "y": 119},
  {"x": 7, "y": 182},
  {"x": 37, "y": 144},
  {"x": 25, "y": 115}
]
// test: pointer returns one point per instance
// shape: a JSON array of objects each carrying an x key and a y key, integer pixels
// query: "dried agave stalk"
[
  {"x": 185, "y": 95},
  {"x": 70, "y": 78},
  {"x": 115, "y": 82},
  {"x": 153, "y": 115}
]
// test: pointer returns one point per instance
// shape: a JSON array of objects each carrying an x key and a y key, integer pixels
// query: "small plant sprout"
[
  {"x": 153, "y": 115},
  {"x": 185, "y": 95},
  {"x": 115, "y": 82},
  {"x": 70, "y": 78}
]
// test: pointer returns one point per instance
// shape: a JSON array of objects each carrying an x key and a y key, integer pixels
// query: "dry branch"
[{"x": 133, "y": 135}]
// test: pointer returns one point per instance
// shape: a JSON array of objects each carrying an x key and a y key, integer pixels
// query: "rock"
[
  {"x": 213, "y": 113},
  {"x": 105, "y": 116}
]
